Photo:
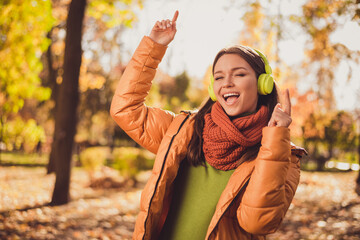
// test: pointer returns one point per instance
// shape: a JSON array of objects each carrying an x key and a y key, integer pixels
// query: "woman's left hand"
[{"x": 281, "y": 116}]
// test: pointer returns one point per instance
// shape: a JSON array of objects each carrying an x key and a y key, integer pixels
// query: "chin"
[
  {"x": 237, "y": 112},
  {"x": 234, "y": 113}
]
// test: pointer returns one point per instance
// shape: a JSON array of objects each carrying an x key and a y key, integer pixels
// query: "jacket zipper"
[
  {"x": 241, "y": 189},
  {"x": 161, "y": 171}
]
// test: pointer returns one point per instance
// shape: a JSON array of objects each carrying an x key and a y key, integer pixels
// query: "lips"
[{"x": 231, "y": 98}]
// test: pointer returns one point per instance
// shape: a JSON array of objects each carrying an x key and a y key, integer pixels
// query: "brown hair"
[{"x": 195, "y": 155}]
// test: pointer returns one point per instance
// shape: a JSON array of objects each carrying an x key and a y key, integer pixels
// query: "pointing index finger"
[
  {"x": 286, "y": 102},
  {"x": 175, "y": 16}
]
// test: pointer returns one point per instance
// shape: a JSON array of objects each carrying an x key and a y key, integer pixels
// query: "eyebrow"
[{"x": 233, "y": 69}]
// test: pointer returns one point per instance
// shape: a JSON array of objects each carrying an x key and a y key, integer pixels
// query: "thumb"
[{"x": 272, "y": 123}]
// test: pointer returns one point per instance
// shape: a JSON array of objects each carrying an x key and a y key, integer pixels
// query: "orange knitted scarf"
[{"x": 225, "y": 140}]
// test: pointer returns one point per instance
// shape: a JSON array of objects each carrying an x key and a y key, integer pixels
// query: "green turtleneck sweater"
[{"x": 196, "y": 193}]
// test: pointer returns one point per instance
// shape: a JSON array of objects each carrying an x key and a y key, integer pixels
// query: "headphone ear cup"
[
  {"x": 211, "y": 89},
  {"x": 265, "y": 84}
]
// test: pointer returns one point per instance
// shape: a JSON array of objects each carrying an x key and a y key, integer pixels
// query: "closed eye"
[
  {"x": 218, "y": 78},
  {"x": 240, "y": 75}
]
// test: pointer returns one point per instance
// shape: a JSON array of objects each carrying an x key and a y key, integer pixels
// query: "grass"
[{"x": 23, "y": 159}]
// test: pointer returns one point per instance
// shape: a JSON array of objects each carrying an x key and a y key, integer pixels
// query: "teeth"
[{"x": 230, "y": 94}]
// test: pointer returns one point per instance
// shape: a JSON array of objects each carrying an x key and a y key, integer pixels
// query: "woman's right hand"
[
  {"x": 281, "y": 116},
  {"x": 164, "y": 31}
]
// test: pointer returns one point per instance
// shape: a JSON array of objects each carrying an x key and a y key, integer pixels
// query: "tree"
[
  {"x": 357, "y": 114},
  {"x": 173, "y": 92},
  {"x": 54, "y": 60},
  {"x": 23, "y": 29},
  {"x": 73, "y": 77},
  {"x": 325, "y": 135},
  {"x": 357, "y": 187},
  {"x": 260, "y": 29},
  {"x": 96, "y": 84},
  {"x": 319, "y": 20},
  {"x": 65, "y": 123}
]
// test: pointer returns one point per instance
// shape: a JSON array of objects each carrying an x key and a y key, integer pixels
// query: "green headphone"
[{"x": 265, "y": 81}]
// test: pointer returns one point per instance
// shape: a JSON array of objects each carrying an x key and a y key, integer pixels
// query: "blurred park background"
[{"x": 67, "y": 171}]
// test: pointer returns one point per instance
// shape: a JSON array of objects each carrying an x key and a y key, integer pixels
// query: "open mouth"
[{"x": 230, "y": 98}]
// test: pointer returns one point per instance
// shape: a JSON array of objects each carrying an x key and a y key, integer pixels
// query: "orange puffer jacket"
[{"x": 258, "y": 193}]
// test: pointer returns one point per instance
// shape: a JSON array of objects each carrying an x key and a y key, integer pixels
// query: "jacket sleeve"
[
  {"x": 145, "y": 125},
  {"x": 272, "y": 184}
]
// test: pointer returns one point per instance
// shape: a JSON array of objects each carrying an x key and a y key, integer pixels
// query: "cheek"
[
  {"x": 251, "y": 93},
  {"x": 216, "y": 87},
  {"x": 250, "y": 86}
]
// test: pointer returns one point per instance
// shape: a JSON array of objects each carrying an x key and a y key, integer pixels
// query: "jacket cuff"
[
  {"x": 155, "y": 50},
  {"x": 275, "y": 144}
]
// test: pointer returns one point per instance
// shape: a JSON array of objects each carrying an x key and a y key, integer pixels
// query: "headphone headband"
[{"x": 268, "y": 69}]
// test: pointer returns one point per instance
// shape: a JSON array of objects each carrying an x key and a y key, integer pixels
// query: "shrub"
[
  {"x": 129, "y": 161},
  {"x": 93, "y": 158},
  {"x": 20, "y": 134}
]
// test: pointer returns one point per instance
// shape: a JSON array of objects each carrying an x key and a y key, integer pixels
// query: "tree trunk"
[
  {"x": 51, "y": 163},
  {"x": 1, "y": 135},
  {"x": 357, "y": 188},
  {"x": 54, "y": 94},
  {"x": 321, "y": 160},
  {"x": 65, "y": 121}
]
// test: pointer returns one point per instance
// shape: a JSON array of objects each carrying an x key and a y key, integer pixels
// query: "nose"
[{"x": 228, "y": 82}]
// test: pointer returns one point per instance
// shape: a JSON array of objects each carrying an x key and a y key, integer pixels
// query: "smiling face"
[{"x": 235, "y": 85}]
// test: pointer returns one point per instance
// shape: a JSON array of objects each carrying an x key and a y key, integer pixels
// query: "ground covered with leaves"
[{"x": 325, "y": 207}]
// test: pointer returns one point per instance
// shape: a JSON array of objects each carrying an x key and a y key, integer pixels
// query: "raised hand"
[
  {"x": 281, "y": 116},
  {"x": 164, "y": 31}
]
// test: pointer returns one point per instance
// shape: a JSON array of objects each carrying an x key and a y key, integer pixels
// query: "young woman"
[{"x": 227, "y": 171}]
